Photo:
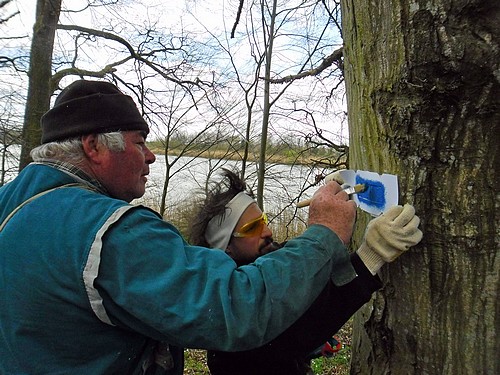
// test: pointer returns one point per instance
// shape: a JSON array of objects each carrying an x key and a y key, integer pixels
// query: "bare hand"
[{"x": 331, "y": 207}]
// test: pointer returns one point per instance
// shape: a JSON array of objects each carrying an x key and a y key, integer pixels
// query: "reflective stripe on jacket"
[{"x": 87, "y": 281}]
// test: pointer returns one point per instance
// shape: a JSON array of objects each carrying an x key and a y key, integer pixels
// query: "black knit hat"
[{"x": 87, "y": 107}]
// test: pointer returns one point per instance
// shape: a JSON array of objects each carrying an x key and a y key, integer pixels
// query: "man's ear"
[{"x": 92, "y": 149}]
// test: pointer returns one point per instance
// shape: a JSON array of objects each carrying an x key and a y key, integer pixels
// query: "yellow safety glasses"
[{"x": 253, "y": 227}]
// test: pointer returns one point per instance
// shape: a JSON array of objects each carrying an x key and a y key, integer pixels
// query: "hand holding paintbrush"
[
  {"x": 335, "y": 176},
  {"x": 359, "y": 188}
]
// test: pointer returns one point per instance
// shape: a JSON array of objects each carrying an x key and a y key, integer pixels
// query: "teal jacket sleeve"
[{"x": 153, "y": 282}]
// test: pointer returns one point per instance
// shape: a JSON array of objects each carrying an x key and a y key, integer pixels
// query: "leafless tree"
[
  {"x": 292, "y": 47},
  {"x": 176, "y": 80},
  {"x": 147, "y": 51},
  {"x": 10, "y": 135}
]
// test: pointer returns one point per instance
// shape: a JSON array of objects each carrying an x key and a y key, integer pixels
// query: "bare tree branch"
[
  {"x": 335, "y": 57},
  {"x": 133, "y": 54},
  {"x": 5, "y": 18},
  {"x": 334, "y": 17},
  {"x": 238, "y": 15}
]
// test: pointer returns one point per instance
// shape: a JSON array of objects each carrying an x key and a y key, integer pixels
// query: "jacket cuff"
[
  {"x": 370, "y": 258},
  {"x": 342, "y": 271},
  {"x": 369, "y": 281}
]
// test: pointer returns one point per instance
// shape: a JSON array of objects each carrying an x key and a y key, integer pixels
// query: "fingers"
[
  {"x": 343, "y": 195},
  {"x": 390, "y": 235},
  {"x": 412, "y": 226},
  {"x": 331, "y": 207},
  {"x": 406, "y": 215},
  {"x": 335, "y": 176},
  {"x": 400, "y": 215},
  {"x": 392, "y": 213},
  {"x": 415, "y": 238},
  {"x": 412, "y": 233},
  {"x": 333, "y": 186}
]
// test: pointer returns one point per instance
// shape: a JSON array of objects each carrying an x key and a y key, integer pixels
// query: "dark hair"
[{"x": 216, "y": 199}]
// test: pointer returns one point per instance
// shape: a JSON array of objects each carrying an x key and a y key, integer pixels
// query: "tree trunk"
[
  {"x": 267, "y": 101},
  {"x": 423, "y": 93},
  {"x": 39, "y": 89}
]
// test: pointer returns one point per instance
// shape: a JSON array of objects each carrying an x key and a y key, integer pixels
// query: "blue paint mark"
[{"x": 374, "y": 194}]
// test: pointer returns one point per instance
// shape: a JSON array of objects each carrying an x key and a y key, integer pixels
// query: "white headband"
[{"x": 220, "y": 228}]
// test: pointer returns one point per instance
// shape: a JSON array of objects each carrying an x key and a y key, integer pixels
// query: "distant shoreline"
[{"x": 218, "y": 154}]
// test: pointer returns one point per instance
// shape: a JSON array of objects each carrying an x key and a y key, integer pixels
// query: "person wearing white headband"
[
  {"x": 241, "y": 212},
  {"x": 230, "y": 219}
]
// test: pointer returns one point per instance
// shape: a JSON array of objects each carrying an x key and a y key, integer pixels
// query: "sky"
[
  {"x": 173, "y": 13},
  {"x": 23, "y": 23},
  {"x": 196, "y": 16}
]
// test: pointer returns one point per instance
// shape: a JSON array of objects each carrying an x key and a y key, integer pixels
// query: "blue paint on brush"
[{"x": 374, "y": 193}]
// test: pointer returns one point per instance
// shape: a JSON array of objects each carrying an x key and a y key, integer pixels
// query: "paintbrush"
[{"x": 359, "y": 188}]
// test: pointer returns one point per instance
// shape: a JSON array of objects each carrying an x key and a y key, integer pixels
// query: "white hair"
[{"x": 71, "y": 150}]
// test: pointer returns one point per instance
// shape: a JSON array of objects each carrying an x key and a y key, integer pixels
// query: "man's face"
[
  {"x": 245, "y": 250},
  {"x": 124, "y": 173}
]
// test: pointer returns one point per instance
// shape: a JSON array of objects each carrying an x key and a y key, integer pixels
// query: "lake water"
[{"x": 282, "y": 188}]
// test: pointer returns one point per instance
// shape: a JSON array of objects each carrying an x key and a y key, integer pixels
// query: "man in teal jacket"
[{"x": 89, "y": 283}]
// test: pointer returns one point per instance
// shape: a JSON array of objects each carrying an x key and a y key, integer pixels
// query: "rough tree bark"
[
  {"x": 39, "y": 92},
  {"x": 423, "y": 91}
]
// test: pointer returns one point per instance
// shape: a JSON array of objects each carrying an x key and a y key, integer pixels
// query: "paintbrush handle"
[
  {"x": 349, "y": 190},
  {"x": 304, "y": 203}
]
